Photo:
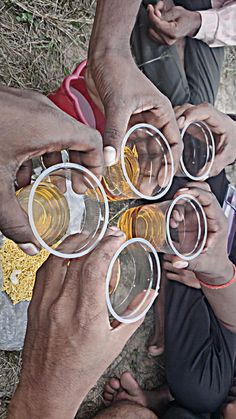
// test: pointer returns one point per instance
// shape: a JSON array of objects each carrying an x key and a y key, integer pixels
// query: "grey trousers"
[{"x": 196, "y": 83}]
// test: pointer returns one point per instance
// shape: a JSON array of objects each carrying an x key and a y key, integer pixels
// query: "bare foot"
[
  {"x": 156, "y": 342},
  {"x": 127, "y": 388}
]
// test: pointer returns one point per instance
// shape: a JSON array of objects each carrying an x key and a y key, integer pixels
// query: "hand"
[
  {"x": 212, "y": 265},
  {"x": 184, "y": 276},
  {"x": 222, "y": 127},
  {"x": 169, "y": 26},
  {"x": 32, "y": 125},
  {"x": 115, "y": 82},
  {"x": 69, "y": 341}
]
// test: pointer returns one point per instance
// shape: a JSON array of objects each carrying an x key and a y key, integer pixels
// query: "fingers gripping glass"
[
  {"x": 176, "y": 227},
  {"x": 67, "y": 209},
  {"x": 132, "y": 280},
  {"x": 146, "y": 166}
]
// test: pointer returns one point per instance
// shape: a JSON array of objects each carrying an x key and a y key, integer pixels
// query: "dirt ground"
[{"x": 40, "y": 43}]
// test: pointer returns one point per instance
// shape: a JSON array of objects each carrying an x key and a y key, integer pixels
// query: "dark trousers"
[{"x": 200, "y": 352}]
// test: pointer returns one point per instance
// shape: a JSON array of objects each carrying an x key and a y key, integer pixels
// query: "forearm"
[
  {"x": 113, "y": 24},
  {"x": 57, "y": 402},
  {"x": 222, "y": 301}
]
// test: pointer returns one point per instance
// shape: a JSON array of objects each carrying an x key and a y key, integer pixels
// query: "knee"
[{"x": 197, "y": 394}]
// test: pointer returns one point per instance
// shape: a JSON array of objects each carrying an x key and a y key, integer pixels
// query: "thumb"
[
  {"x": 125, "y": 330},
  {"x": 116, "y": 126},
  {"x": 14, "y": 222},
  {"x": 159, "y": 8},
  {"x": 220, "y": 162}
]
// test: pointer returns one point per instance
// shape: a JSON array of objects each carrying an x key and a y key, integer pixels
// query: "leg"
[
  {"x": 203, "y": 67},
  {"x": 200, "y": 352},
  {"x": 203, "y": 64},
  {"x": 160, "y": 63},
  {"x": 194, "y": 5},
  {"x": 179, "y": 412},
  {"x": 127, "y": 389},
  {"x": 127, "y": 410}
]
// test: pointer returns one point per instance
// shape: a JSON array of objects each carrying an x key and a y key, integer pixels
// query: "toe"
[
  {"x": 114, "y": 384},
  {"x": 129, "y": 384},
  {"x": 108, "y": 396}
]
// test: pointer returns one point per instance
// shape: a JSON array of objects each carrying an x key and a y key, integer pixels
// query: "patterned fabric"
[{"x": 218, "y": 26}]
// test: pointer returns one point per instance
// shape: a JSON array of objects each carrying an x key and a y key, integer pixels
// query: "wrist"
[
  {"x": 113, "y": 26},
  {"x": 51, "y": 399},
  {"x": 220, "y": 277},
  {"x": 196, "y": 22},
  {"x": 102, "y": 56}
]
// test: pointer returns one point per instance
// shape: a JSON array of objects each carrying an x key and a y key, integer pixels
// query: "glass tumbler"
[
  {"x": 199, "y": 151},
  {"x": 175, "y": 227},
  {"x": 145, "y": 169},
  {"x": 67, "y": 209},
  {"x": 132, "y": 280}
]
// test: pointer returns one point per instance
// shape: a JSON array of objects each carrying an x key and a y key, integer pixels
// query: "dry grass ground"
[{"x": 40, "y": 43}]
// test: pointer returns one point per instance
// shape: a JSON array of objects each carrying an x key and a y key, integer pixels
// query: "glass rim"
[
  {"x": 169, "y": 211},
  {"x": 108, "y": 277},
  {"x": 135, "y": 190},
  {"x": 31, "y": 218},
  {"x": 183, "y": 167}
]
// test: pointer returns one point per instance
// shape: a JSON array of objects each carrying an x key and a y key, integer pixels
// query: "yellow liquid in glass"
[
  {"x": 50, "y": 211},
  {"x": 147, "y": 222},
  {"x": 114, "y": 181}
]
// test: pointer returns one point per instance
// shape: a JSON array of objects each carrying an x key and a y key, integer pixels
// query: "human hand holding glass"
[
  {"x": 178, "y": 226},
  {"x": 146, "y": 166},
  {"x": 69, "y": 305},
  {"x": 31, "y": 126},
  {"x": 67, "y": 209},
  {"x": 221, "y": 126}
]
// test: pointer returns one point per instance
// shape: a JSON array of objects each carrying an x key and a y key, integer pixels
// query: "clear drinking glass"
[
  {"x": 199, "y": 151},
  {"x": 177, "y": 226},
  {"x": 67, "y": 209},
  {"x": 145, "y": 169},
  {"x": 132, "y": 280}
]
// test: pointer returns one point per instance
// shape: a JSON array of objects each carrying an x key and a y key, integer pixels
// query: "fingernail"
[
  {"x": 180, "y": 264},
  {"x": 29, "y": 248},
  {"x": 109, "y": 155},
  {"x": 183, "y": 189}
]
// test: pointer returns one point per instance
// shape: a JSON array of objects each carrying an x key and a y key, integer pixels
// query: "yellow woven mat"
[{"x": 19, "y": 271}]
